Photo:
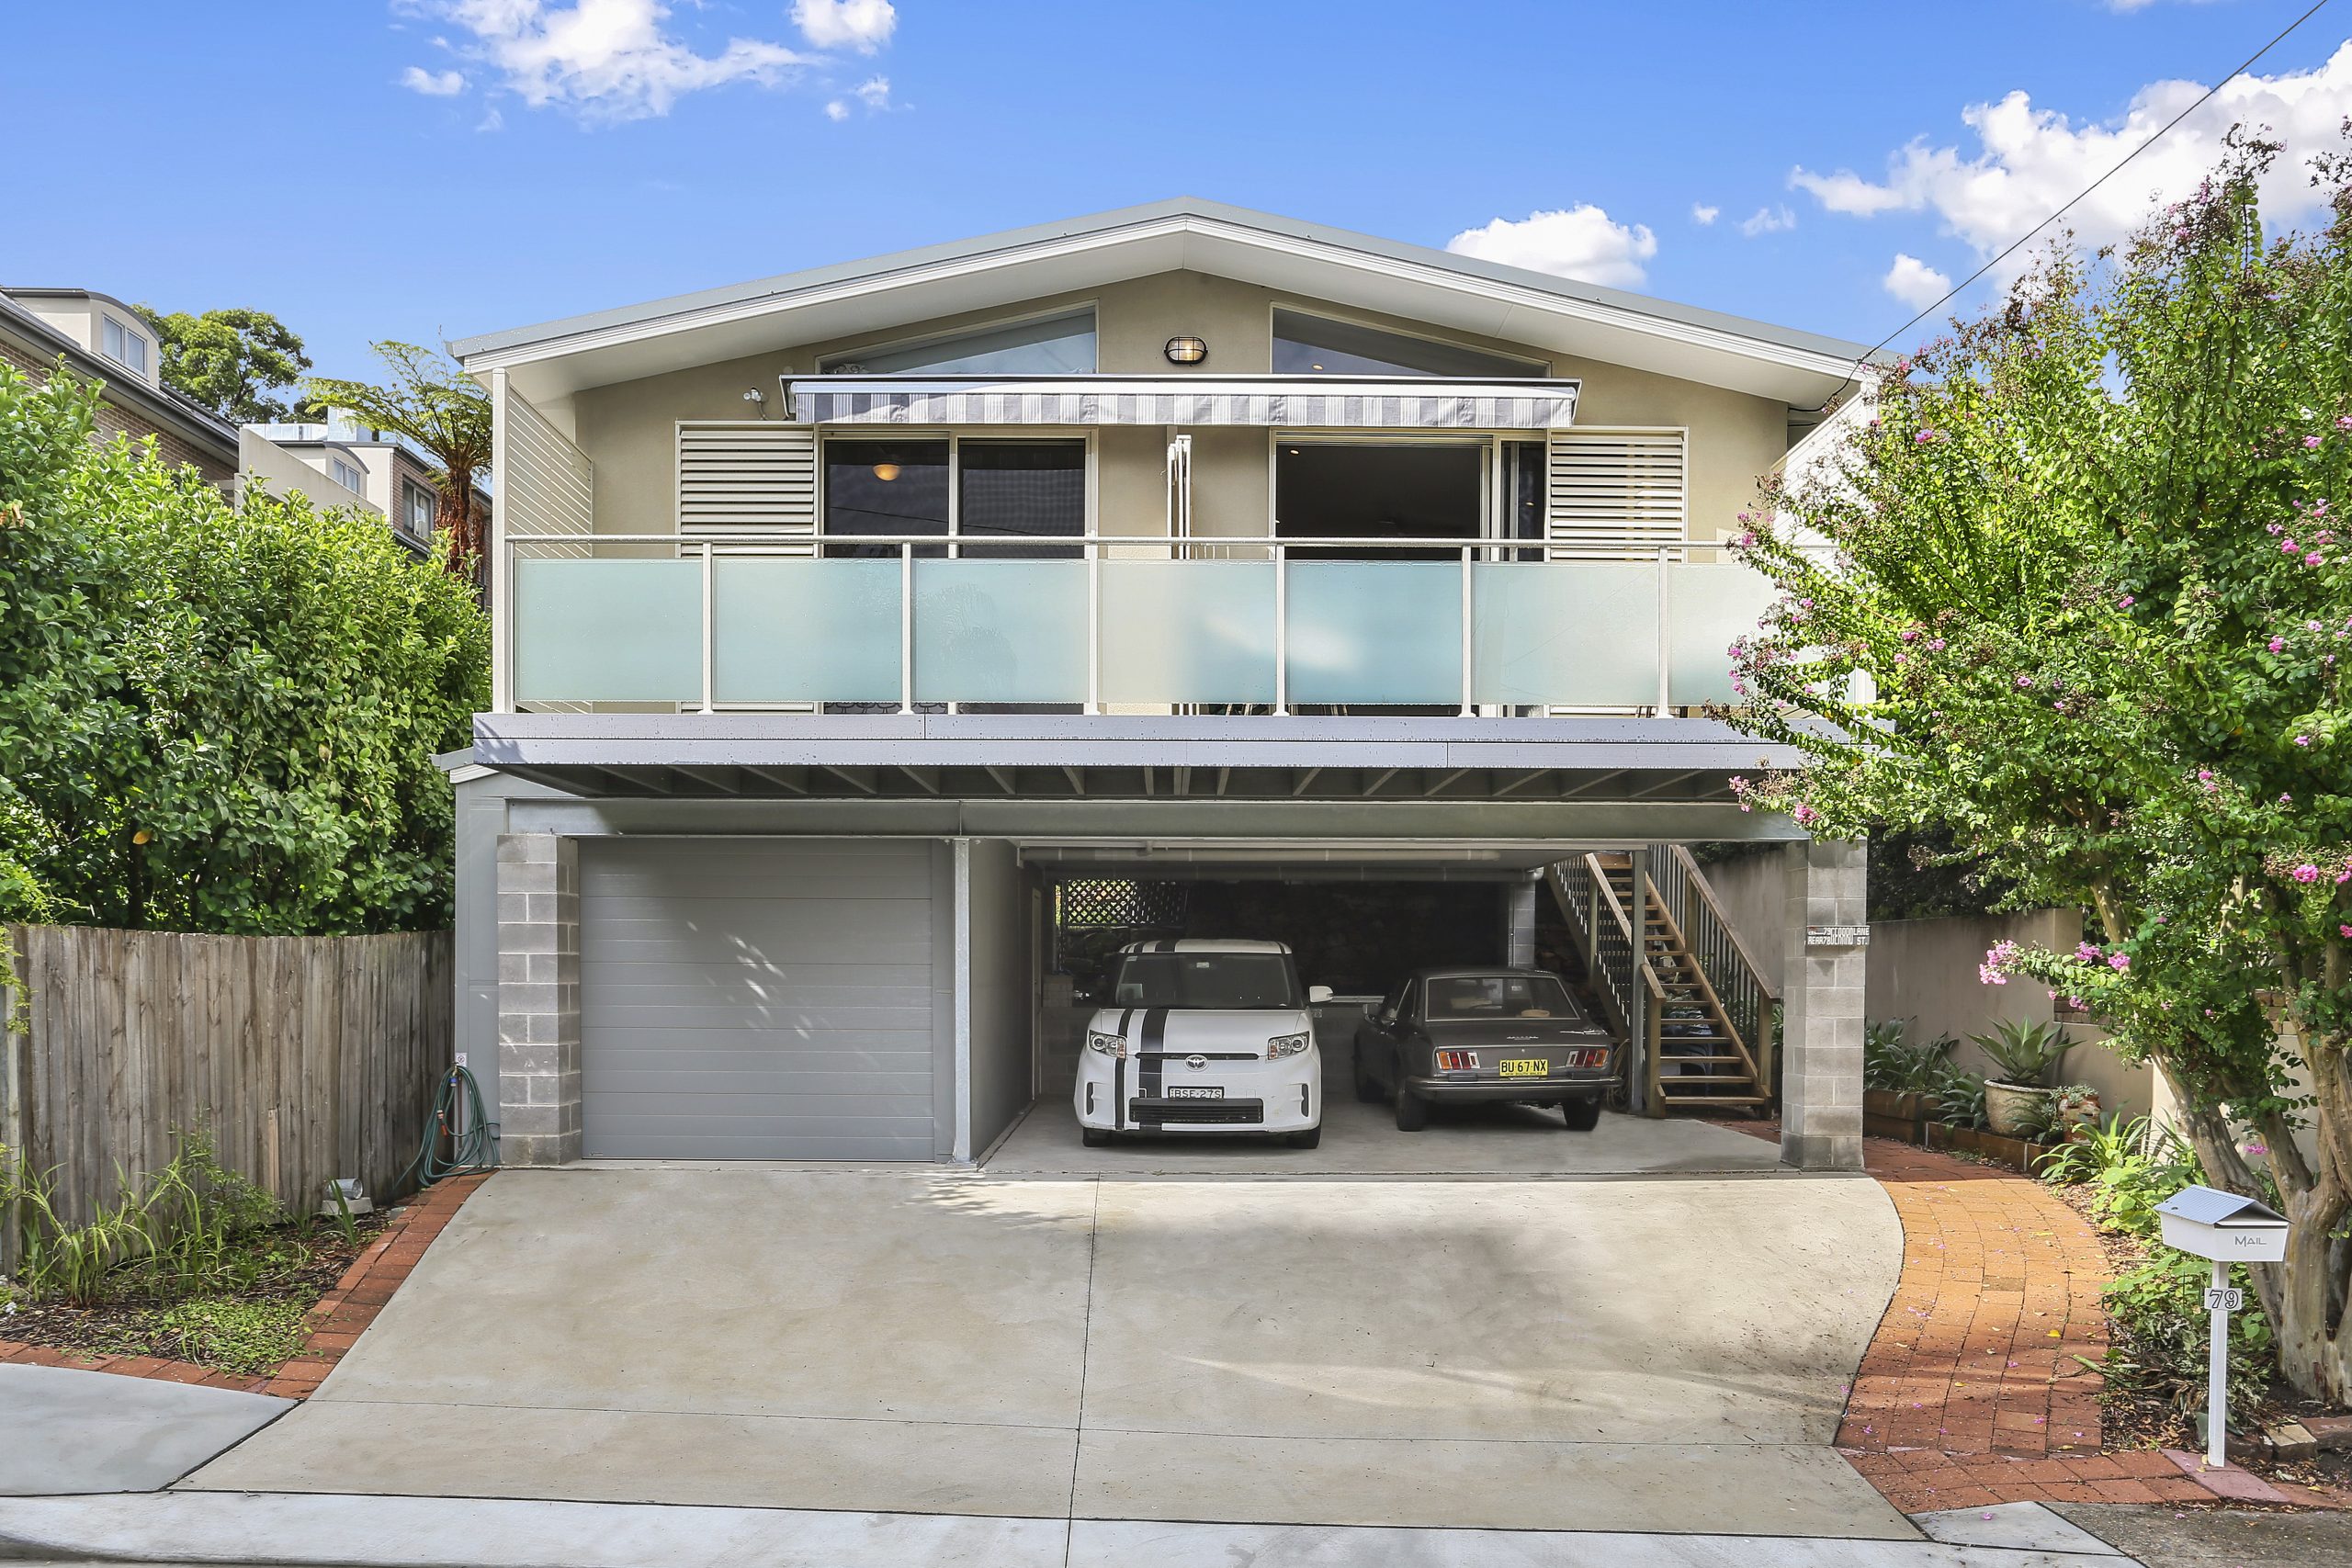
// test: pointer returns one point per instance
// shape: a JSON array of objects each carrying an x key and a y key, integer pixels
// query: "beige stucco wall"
[
  {"x": 287, "y": 473},
  {"x": 628, "y": 430}
]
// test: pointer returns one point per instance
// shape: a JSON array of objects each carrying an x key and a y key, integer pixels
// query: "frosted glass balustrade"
[
  {"x": 608, "y": 631},
  {"x": 1187, "y": 631},
  {"x": 1000, "y": 631},
  {"x": 1710, "y": 604},
  {"x": 800, "y": 631},
  {"x": 1580, "y": 633},
  {"x": 1375, "y": 632}
]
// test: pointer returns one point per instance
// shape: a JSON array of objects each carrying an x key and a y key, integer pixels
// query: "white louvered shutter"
[
  {"x": 1615, "y": 491},
  {"x": 742, "y": 480}
]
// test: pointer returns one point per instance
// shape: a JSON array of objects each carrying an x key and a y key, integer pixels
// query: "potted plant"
[
  {"x": 1900, "y": 1078},
  {"x": 2073, "y": 1108},
  {"x": 2017, "y": 1092}
]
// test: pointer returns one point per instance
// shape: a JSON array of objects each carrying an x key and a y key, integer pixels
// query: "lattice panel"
[{"x": 1113, "y": 902}]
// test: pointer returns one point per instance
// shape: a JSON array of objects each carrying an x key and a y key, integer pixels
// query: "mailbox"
[{"x": 2223, "y": 1226}]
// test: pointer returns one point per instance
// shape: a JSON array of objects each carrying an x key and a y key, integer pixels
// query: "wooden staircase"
[{"x": 1668, "y": 963}]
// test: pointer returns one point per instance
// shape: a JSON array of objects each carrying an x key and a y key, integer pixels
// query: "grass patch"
[{"x": 234, "y": 1334}]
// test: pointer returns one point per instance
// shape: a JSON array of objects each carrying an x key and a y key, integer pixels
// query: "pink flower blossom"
[
  {"x": 1804, "y": 813},
  {"x": 2312, "y": 558},
  {"x": 2288, "y": 546},
  {"x": 2278, "y": 645},
  {"x": 2302, "y": 739},
  {"x": 2118, "y": 962},
  {"x": 2344, "y": 930},
  {"x": 2124, "y": 602},
  {"x": 2307, "y": 873},
  {"x": 2344, "y": 422},
  {"x": 1911, "y": 634},
  {"x": 2309, "y": 441},
  {"x": 2087, "y": 951},
  {"x": 1935, "y": 645},
  {"x": 2025, "y": 682}
]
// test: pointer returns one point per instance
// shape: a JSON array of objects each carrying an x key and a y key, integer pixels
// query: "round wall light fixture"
[
  {"x": 886, "y": 472},
  {"x": 1187, "y": 350}
]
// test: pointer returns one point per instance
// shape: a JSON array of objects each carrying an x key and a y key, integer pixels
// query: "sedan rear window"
[
  {"x": 1206, "y": 980},
  {"x": 1498, "y": 996}
]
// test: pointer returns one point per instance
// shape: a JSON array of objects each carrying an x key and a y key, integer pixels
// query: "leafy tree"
[
  {"x": 229, "y": 361},
  {"x": 212, "y": 717},
  {"x": 2086, "y": 610},
  {"x": 437, "y": 405}
]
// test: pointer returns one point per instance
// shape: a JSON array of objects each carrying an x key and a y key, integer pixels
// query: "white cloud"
[
  {"x": 1914, "y": 282},
  {"x": 1703, "y": 214},
  {"x": 1768, "y": 220},
  {"x": 862, "y": 24},
  {"x": 837, "y": 111},
  {"x": 491, "y": 121},
  {"x": 434, "y": 84},
  {"x": 875, "y": 93},
  {"x": 2030, "y": 160},
  {"x": 604, "y": 60},
  {"x": 1576, "y": 242}
]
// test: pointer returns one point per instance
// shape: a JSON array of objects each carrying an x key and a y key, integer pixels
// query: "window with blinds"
[
  {"x": 741, "y": 481},
  {"x": 1615, "y": 492}
]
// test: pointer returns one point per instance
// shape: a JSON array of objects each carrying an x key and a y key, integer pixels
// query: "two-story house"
[
  {"x": 843, "y": 617},
  {"x": 377, "y": 466}
]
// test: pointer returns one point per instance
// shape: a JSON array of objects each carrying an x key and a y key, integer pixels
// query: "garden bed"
[
  {"x": 249, "y": 1320},
  {"x": 2141, "y": 1411},
  {"x": 2018, "y": 1153}
]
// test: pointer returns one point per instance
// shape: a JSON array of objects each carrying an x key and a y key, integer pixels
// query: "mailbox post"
[{"x": 2226, "y": 1229}]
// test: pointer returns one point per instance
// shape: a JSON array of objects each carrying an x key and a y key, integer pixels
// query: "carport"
[{"x": 826, "y": 937}]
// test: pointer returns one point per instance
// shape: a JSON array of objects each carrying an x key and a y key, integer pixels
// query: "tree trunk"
[
  {"x": 2302, "y": 1296},
  {"x": 461, "y": 545}
]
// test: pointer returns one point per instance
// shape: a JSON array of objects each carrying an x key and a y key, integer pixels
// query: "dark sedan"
[{"x": 1463, "y": 1036}]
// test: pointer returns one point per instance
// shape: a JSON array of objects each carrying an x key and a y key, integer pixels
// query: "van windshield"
[{"x": 1206, "y": 980}]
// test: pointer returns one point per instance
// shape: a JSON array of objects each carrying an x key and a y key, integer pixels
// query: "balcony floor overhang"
[{"x": 1353, "y": 770}]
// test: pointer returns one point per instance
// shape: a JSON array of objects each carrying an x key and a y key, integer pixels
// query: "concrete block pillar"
[
  {"x": 1821, "y": 1024},
  {"x": 539, "y": 998}
]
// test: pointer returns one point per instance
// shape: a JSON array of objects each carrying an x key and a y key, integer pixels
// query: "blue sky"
[{"x": 416, "y": 168}]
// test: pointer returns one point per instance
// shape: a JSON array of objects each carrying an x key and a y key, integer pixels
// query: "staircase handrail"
[{"x": 1706, "y": 891}]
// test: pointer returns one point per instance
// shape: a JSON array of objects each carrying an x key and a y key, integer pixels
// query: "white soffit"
[{"x": 841, "y": 302}]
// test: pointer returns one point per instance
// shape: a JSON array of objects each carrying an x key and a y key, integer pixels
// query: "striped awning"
[{"x": 1298, "y": 402}]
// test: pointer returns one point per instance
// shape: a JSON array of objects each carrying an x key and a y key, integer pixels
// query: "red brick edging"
[
  {"x": 1971, "y": 1391},
  {"x": 337, "y": 1322}
]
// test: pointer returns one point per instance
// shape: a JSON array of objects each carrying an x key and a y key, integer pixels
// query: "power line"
[{"x": 2018, "y": 243}]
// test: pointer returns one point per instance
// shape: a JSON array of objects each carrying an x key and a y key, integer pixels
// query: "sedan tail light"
[
  {"x": 1457, "y": 1061},
  {"x": 1590, "y": 1056}
]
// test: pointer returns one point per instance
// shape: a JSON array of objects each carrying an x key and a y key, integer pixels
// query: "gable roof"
[{"x": 1413, "y": 282}]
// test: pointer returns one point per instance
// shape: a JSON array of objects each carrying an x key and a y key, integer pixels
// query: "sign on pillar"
[{"x": 2226, "y": 1229}]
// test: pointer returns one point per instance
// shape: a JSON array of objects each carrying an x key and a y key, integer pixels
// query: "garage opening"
[{"x": 1349, "y": 929}]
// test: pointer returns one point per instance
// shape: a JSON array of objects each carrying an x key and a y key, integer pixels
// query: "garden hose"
[{"x": 475, "y": 1149}]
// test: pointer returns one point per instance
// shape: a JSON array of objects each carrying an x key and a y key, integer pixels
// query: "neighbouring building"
[
  {"x": 854, "y": 626},
  {"x": 104, "y": 340},
  {"x": 387, "y": 475}
]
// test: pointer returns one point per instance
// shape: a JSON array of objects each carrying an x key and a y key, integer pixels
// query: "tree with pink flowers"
[{"x": 2086, "y": 608}]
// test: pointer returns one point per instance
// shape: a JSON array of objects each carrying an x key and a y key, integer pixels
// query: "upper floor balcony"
[{"x": 1437, "y": 546}]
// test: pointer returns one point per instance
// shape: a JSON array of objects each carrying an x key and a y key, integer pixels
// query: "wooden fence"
[{"x": 311, "y": 1057}]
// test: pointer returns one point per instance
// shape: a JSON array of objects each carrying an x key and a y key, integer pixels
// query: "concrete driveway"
[{"x": 1626, "y": 1352}]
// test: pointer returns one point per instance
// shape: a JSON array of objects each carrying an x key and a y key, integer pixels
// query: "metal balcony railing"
[{"x": 1100, "y": 624}]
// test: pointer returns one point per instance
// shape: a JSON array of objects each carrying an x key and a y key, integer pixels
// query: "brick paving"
[
  {"x": 337, "y": 1322},
  {"x": 1973, "y": 1391}
]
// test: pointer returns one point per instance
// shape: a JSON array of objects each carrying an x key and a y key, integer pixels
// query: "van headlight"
[
  {"x": 1109, "y": 1045},
  {"x": 1288, "y": 1045}
]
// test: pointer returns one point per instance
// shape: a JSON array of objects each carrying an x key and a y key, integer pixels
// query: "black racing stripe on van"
[
  {"x": 1151, "y": 1071},
  {"x": 1119, "y": 1077}
]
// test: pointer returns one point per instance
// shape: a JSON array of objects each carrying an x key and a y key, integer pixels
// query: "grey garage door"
[{"x": 749, "y": 999}]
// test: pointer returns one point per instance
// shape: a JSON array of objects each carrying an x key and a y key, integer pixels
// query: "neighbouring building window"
[
  {"x": 348, "y": 477},
  {"x": 1052, "y": 345},
  {"x": 123, "y": 345},
  {"x": 1319, "y": 346},
  {"x": 420, "y": 506}
]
